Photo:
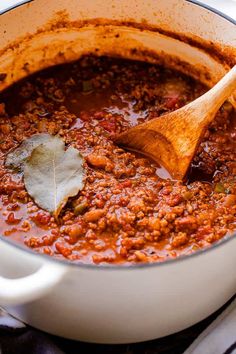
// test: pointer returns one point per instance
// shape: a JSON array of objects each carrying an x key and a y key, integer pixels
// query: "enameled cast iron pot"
[{"x": 116, "y": 304}]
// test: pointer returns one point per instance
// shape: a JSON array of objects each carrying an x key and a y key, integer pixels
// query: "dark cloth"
[{"x": 17, "y": 338}]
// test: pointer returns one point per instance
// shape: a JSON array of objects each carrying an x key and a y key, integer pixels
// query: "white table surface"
[{"x": 226, "y": 6}]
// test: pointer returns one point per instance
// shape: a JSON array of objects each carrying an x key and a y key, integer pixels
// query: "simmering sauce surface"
[{"x": 129, "y": 211}]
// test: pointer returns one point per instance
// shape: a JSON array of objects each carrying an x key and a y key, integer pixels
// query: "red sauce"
[{"x": 129, "y": 210}]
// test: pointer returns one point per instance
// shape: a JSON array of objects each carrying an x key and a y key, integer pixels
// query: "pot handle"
[{"x": 31, "y": 287}]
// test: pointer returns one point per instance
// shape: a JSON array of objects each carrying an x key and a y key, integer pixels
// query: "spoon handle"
[
  {"x": 212, "y": 100},
  {"x": 224, "y": 88}
]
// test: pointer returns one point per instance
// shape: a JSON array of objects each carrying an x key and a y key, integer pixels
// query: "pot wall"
[
  {"x": 62, "y": 34},
  {"x": 121, "y": 305}
]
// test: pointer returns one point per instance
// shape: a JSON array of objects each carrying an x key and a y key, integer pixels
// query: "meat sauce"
[{"x": 129, "y": 210}]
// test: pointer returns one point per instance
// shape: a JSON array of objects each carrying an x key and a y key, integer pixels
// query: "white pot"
[{"x": 116, "y": 304}]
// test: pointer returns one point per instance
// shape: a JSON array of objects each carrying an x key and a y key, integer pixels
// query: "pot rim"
[
  {"x": 61, "y": 262},
  {"x": 207, "y": 7}
]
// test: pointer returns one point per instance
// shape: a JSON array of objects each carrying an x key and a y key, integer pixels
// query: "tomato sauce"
[{"x": 129, "y": 210}]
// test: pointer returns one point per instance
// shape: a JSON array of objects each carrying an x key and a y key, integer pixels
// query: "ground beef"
[{"x": 129, "y": 211}]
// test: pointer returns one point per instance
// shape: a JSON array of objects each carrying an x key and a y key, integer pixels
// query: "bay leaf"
[
  {"x": 16, "y": 158},
  {"x": 53, "y": 174}
]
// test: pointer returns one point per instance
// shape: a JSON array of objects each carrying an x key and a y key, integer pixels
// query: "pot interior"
[{"x": 64, "y": 35}]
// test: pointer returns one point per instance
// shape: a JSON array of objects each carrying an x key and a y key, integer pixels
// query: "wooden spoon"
[{"x": 172, "y": 139}]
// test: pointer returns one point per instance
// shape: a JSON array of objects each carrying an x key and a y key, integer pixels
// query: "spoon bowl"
[{"x": 172, "y": 139}]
